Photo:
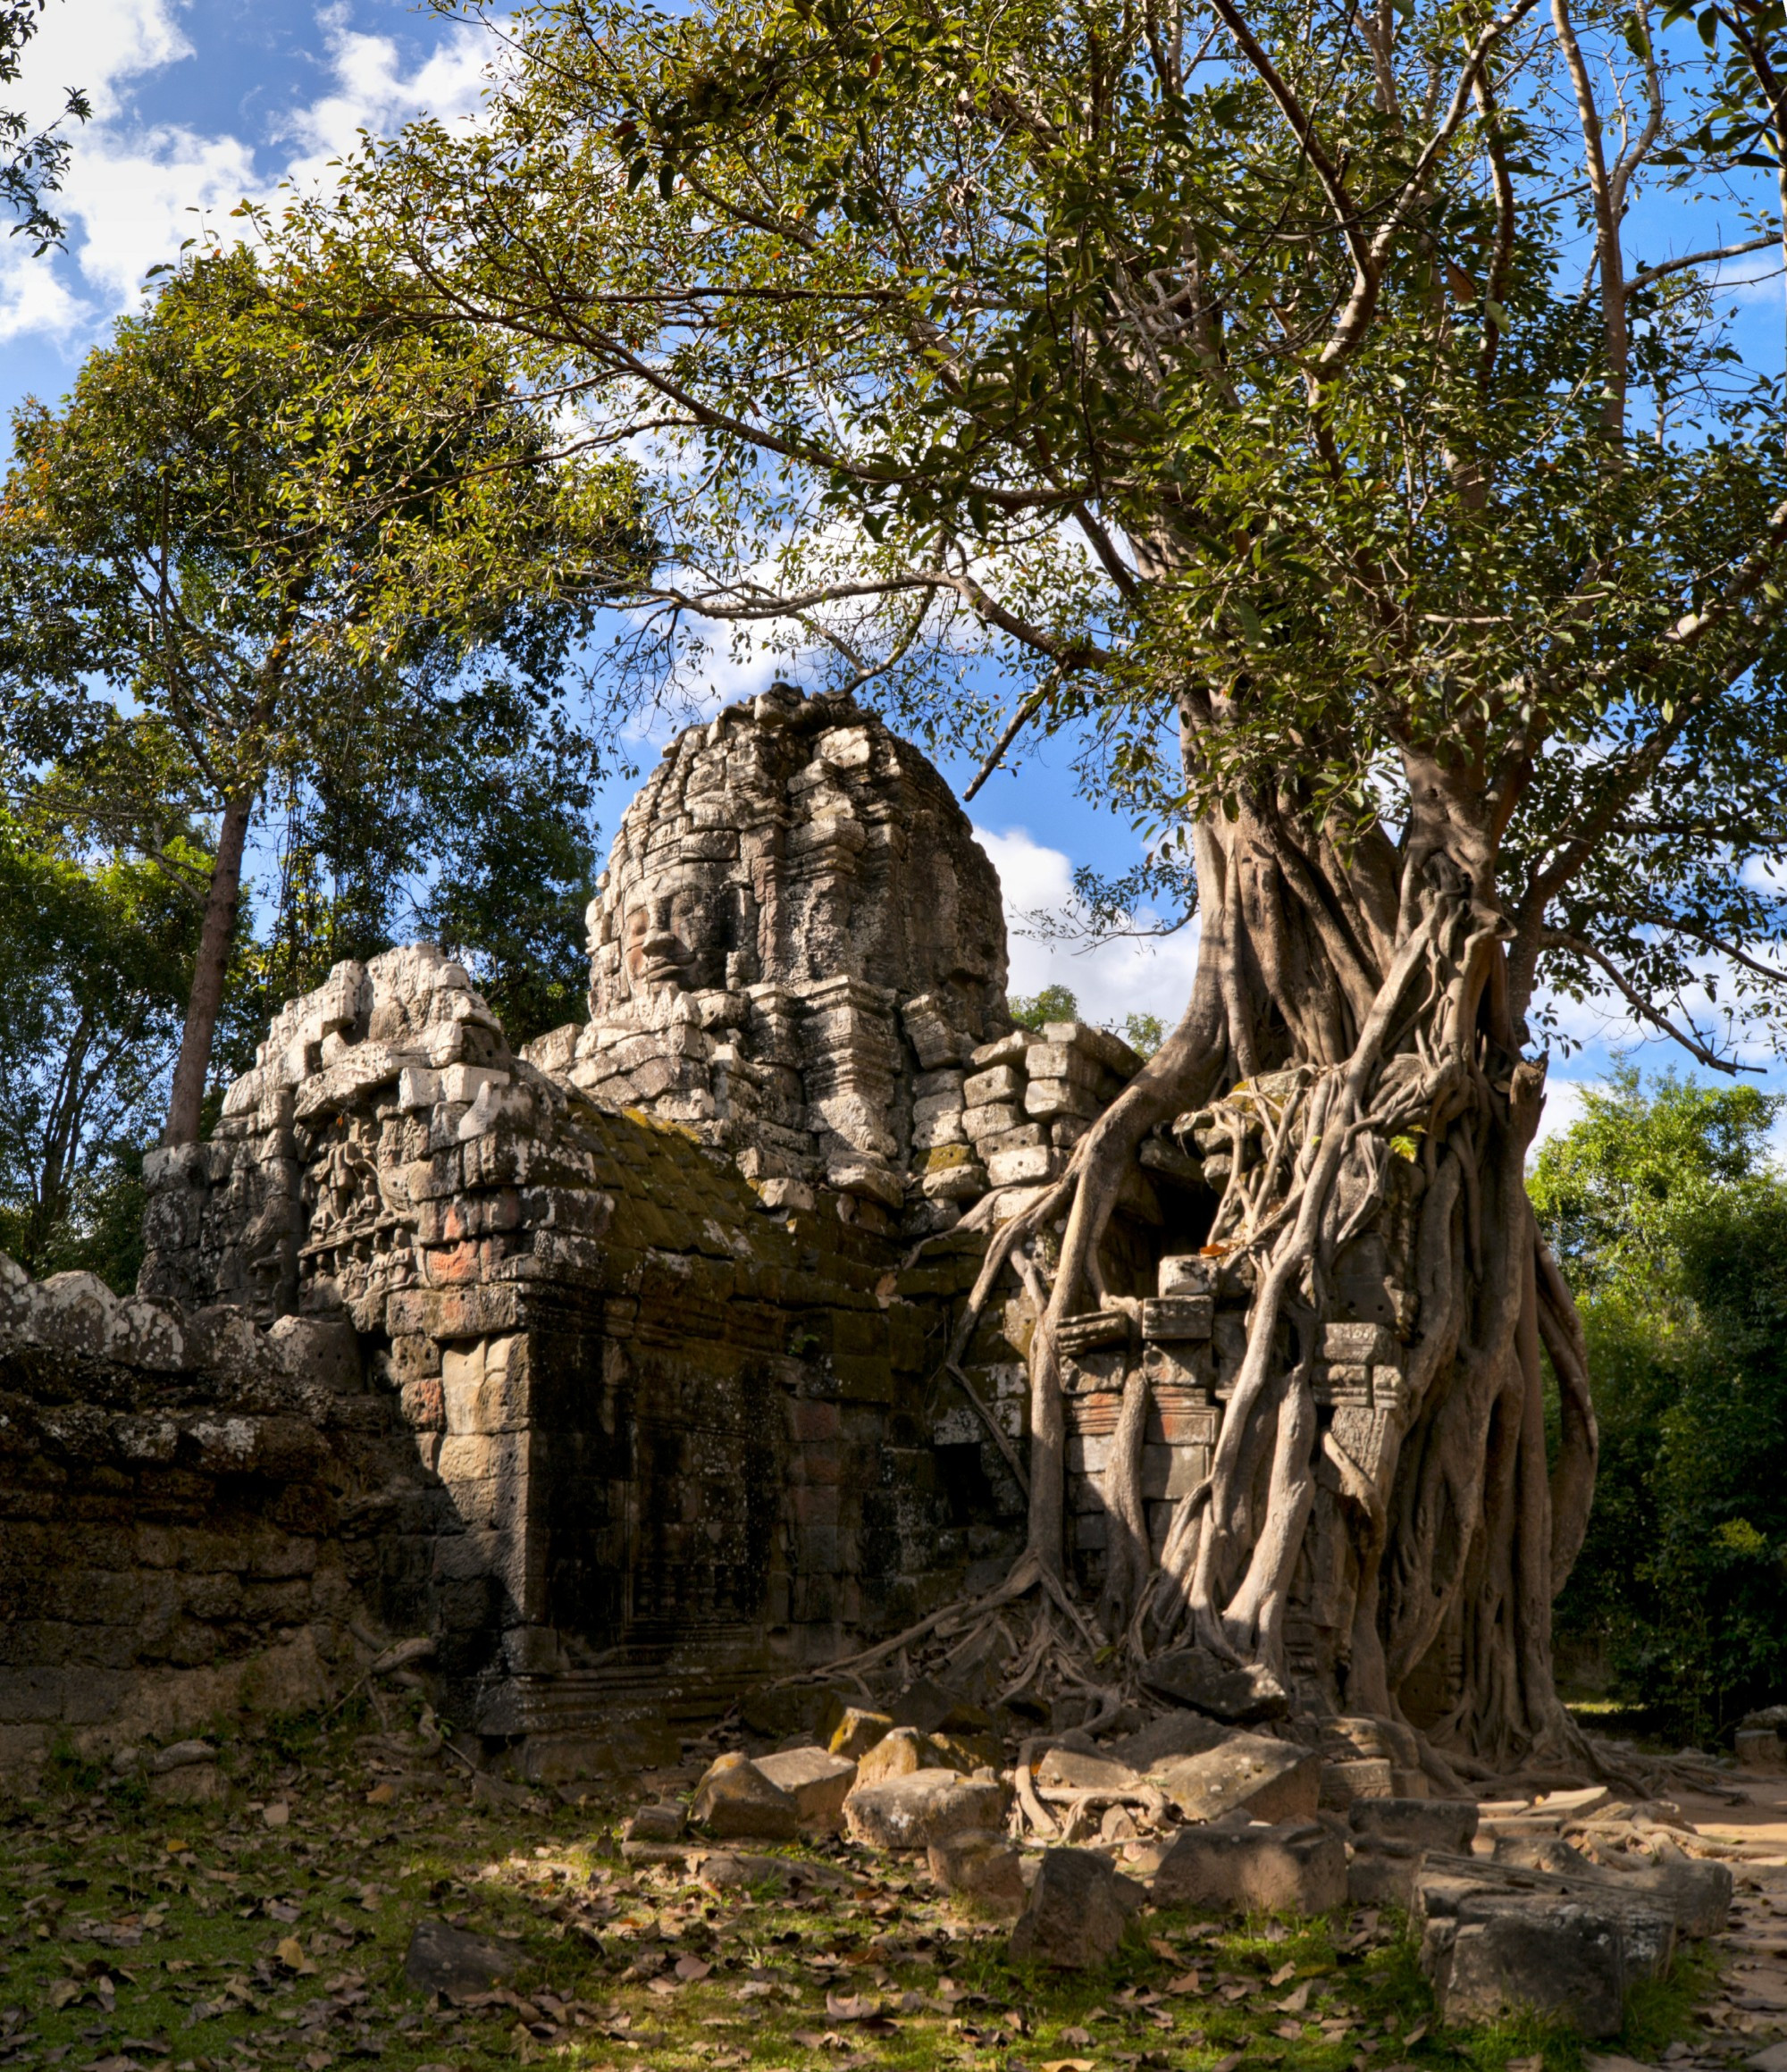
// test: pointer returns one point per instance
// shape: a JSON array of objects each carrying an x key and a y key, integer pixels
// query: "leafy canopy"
[{"x": 1282, "y": 394}]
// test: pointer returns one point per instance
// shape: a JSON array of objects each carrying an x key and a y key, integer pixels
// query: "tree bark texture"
[
  {"x": 1384, "y": 1540},
  {"x": 216, "y": 934}
]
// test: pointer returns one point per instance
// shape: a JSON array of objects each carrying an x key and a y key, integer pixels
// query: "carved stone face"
[
  {"x": 664, "y": 936},
  {"x": 788, "y": 845}
]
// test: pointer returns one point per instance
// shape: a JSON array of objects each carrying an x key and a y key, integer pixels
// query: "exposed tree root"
[{"x": 1375, "y": 1096}]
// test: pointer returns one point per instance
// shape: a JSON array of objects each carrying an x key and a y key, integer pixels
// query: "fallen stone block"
[
  {"x": 734, "y": 1799},
  {"x": 1383, "y": 1874},
  {"x": 816, "y": 1780},
  {"x": 902, "y": 1752},
  {"x": 981, "y": 1867},
  {"x": 1573, "y": 1959},
  {"x": 1253, "y": 1773},
  {"x": 1345, "y": 1782},
  {"x": 1448, "y": 1824},
  {"x": 1761, "y": 1749},
  {"x": 935, "y": 1709},
  {"x": 1575, "y": 1805},
  {"x": 1174, "y": 1734},
  {"x": 653, "y": 1823},
  {"x": 926, "y": 1805},
  {"x": 857, "y": 1732},
  {"x": 1243, "y": 1694},
  {"x": 1072, "y": 1770},
  {"x": 1296, "y": 1868},
  {"x": 454, "y": 1963},
  {"x": 1697, "y": 1892},
  {"x": 1076, "y": 1914}
]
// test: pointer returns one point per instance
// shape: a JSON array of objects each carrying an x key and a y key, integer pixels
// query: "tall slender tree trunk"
[{"x": 214, "y": 939}]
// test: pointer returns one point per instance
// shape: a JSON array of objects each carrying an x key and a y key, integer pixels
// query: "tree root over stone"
[{"x": 1433, "y": 1526}]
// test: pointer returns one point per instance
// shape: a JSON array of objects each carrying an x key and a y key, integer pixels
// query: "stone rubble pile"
[{"x": 1561, "y": 1903}]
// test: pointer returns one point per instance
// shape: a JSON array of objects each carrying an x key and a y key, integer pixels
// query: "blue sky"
[{"x": 199, "y": 103}]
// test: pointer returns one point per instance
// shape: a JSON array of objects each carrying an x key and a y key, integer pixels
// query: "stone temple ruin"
[{"x": 615, "y": 1366}]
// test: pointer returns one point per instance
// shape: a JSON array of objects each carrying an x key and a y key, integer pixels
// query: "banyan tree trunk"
[{"x": 1351, "y": 1031}]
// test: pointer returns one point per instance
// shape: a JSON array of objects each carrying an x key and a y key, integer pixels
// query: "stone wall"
[{"x": 191, "y": 1513}]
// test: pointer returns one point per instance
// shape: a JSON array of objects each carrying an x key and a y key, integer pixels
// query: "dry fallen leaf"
[
  {"x": 1229, "y": 2063},
  {"x": 1162, "y": 1948},
  {"x": 1289, "y": 2031},
  {"x": 1076, "y": 2035},
  {"x": 691, "y": 1969},
  {"x": 1283, "y": 1972},
  {"x": 1187, "y": 1982},
  {"x": 289, "y": 1952},
  {"x": 379, "y": 1795},
  {"x": 277, "y": 1815},
  {"x": 1069, "y": 2064},
  {"x": 1295, "y": 2001},
  {"x": 62, "y": 1990}
]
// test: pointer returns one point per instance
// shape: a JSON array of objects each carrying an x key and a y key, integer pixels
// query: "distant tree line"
[{"x": 1667, "y": 1211}]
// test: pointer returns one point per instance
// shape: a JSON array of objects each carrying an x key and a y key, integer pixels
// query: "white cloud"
[
  {"x": 1146, "y": 976},
  {"x": 136, "y": 191},
  {"x": 373, "y": 92},
  {"x": 1563, "y": 1106}
]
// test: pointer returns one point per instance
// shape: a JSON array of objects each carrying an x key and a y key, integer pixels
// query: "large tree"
[
  {"x": 1285, "y": 392},
  {"x": 257, "y": 527}
]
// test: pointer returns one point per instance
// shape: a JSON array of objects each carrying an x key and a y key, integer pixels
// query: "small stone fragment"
[
  {"x": 451, "y": 1961},
  {"x": 736, "y": 1799},
  {"x": 1244, "y": 1693},
  {"x": 191, "y": 1783},
  {"x": 926, "y": 1805},
  {"x": 1296, "y": 1868},
  {"x": 982, "y": 1867},
  {"x": 816, "y": 1780},
  {"x": 654, "y": 1823},
  {"x": 179, "y": 1755},
  {"x": 1076, "y": 1914}
]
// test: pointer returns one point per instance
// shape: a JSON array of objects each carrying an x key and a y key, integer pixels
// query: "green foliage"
[
  {"x": 1227, "y": 381},
  {"x": 1670, "y": 1224},
  {"x": 94, "y": 963},
  {"x": 1032, "y": 1011},
  {"x": 266, "y": 546},
  {"x": 1144, "y": 1033},
  {"x": 32, "y": 162}
]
